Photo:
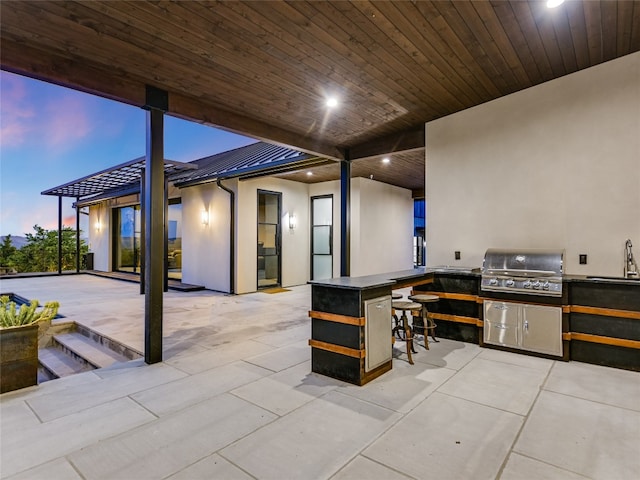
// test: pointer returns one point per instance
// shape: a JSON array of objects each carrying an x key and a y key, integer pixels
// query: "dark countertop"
[
  {"x": 603, "y": 279},
  {"x": 372, "y": 281},
  {"x": 391, "y": 278}
]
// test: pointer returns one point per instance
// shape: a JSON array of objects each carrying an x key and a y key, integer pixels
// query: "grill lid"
[{"x": 523, "y": 262}]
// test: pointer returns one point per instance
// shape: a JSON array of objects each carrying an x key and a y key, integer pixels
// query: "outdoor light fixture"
[
  {"x": 98, "y": 225},
  {"x": 293, "y": 221},
  {"x": 554, "y": 3},
  {"x": 204, "y": 218},
  {"x": 386, "y": 160},
  {"x": 332, "y": 102},
  {"x": 309, "y": 174}
]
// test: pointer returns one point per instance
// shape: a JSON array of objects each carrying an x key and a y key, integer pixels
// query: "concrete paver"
[{"x": 235, "y": 398}]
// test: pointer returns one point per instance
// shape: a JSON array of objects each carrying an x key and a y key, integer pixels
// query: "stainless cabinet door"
[
  {"x": 377, "y": 338},
  {"x": 501, "y": 323},
  {"x": 542, "y": 329}
]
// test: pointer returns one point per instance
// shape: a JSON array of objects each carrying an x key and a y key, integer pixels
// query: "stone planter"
[{"x": 18, "y": 357}]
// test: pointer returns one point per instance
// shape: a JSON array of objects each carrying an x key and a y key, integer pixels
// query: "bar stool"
[
  {"x": 405, "y": 306},
  {"x": 427, "y": 321},
  {"x": 396, "y": 321}
]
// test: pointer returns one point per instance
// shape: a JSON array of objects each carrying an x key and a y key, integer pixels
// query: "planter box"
[{"x": 18, "y": 357}]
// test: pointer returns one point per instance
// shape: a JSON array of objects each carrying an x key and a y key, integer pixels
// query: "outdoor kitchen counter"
[
  {"x": 342, "y": 327},
  {"x": 603, "y": 317},
  {"x": 392, "y": 279},
  {"x": 604, "y": 321}
]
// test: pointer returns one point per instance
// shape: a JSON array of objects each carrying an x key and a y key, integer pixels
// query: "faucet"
[{"x": 630, "y": 265}]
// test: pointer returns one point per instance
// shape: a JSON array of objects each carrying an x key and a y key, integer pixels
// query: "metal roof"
[
  {"x": 256, "y": 159},
  {"x": 117, "y": 177}
]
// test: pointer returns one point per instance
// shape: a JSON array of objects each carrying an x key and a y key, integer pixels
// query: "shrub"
[{"x": 11, "y": 316}]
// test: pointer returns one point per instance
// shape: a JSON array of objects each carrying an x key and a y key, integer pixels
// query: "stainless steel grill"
[
  {"x": 533, "y": 272},
  {"x": 515, "y": 324}
]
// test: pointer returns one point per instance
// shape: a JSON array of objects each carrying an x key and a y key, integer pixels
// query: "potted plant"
[{"x": 19, "y": 341}]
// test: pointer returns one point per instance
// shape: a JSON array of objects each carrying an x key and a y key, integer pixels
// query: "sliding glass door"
[
  {"x": 269, "y": 205},
  {"x": 127, "y": 239},
  {"x": 128, "y": 234}
]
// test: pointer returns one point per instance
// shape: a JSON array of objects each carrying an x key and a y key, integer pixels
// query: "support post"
[
  {"x": 165, "y": 257},
  {"x": 77, "y": 235},
  {"x": 345, "y": 216},
  {"x": 59, "y": 235},
  {"x": 154, "y": 225},
  {"x": 143, "y": 236}
]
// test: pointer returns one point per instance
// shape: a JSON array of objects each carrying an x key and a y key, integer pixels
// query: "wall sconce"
[
  {"x": 293, "y": 221},
  {"x": 204, "y": 218},
  {"x": 98, "y": 225}
]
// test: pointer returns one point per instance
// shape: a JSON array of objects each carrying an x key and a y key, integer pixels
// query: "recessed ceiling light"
[
  {"x": 554, "y": 3},
  {"x": 386, "y": 160},
  {"x": 332, "y": 102},
  {"x": 309, "y": 174}
]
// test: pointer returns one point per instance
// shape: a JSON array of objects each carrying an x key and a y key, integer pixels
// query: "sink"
[
  {"x": 455, "y": 268},
  {"x": 612, "y": 278}
]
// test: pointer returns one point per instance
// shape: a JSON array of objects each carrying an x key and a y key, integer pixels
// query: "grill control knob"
[
  {"x": 493, "y": 281},
  {"x": 510, "y": 282},
  {"x": 536, "y": 285},
  {"x": 526, "y": 284},
  {"x": 545, "y": 286}
]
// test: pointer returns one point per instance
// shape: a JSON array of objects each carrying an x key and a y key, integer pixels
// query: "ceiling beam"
[
  {"x": 115, "y": 85},
  {"x": 405, "y": 141}
]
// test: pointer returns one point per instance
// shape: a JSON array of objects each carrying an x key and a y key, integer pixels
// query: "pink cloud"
[
  {"x": 66, "y": 120},
  {"x": 61, "y": 121},
  {"x": 16, "y": 111}
]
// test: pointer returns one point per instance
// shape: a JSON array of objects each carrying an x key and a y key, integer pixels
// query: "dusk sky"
[{"x": 50, "y": 135}]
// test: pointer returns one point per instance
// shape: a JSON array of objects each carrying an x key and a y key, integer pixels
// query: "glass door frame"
[
  {"x": 313, "y": 224},
  {"x": 117, "y": 242},
  {"x": 278, "y": 239}
]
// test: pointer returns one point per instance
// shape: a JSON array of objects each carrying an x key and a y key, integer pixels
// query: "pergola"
[
  {"x": 265, "y": 69},
  {"x": 125, "y": 175}
]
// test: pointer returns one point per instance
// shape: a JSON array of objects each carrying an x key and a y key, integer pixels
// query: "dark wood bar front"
[{"x": 341, "y": 328}]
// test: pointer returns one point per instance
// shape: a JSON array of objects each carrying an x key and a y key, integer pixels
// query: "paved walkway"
[{"x": 235, "y": 399}]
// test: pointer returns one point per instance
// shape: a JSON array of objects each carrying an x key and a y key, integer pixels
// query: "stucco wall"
[
  {"x": 553, "y": 166},
  {"x": 205, "y": 248},
  {"x": 382, "y": 228},
  {"x": 295, "y": 242},
  {"x": 381, "y": 231},
  {"x": 99, "y": 239}
]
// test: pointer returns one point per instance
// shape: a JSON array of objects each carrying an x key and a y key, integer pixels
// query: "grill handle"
[{"x": 522, "y": 273}]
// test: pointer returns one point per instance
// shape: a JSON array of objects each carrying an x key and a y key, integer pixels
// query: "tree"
[
  {"x": 40, "y": 254},
  {"x": 7, "y": 252}
]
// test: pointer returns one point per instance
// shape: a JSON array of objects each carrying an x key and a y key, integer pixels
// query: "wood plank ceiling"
[{"x": 264, "y": 68}]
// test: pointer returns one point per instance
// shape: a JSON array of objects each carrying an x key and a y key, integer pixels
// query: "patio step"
[
  {"x": 86, "y": 350},
  {"x": 57, "y": 363}
]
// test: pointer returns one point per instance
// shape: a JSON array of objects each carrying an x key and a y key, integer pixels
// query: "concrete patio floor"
[{"x": 235, "y": 398}]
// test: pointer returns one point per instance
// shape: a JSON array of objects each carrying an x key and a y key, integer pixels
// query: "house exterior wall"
[
  {"x": 381, "y": 231},
  {"x": 100, "y": 239},
  {"x": 205, "y": 248},
  {"x": 295, "y": 242},
  {"x": 553, "y": 166},
  {"x": 381, "y": 226}
]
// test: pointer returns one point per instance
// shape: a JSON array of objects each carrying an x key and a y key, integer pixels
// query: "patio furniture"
[
  {"x": 428, "y": 325},
  {"x": 405, "y": 306},
  {"x": 396, "y": 321}
]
